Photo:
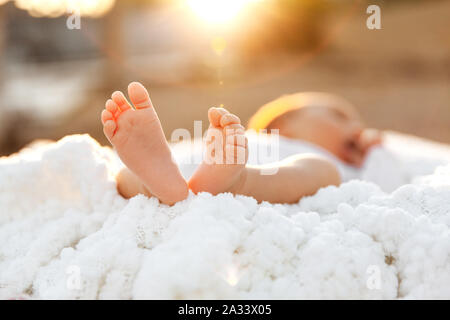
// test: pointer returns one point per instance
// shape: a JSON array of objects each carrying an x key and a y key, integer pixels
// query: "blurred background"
[{"x": 194, "y": 54}]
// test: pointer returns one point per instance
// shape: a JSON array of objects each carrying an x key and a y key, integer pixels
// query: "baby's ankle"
[{"x": 239, "y": 185}]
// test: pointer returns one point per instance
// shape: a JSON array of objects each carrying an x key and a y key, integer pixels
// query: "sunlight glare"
[{"x": 217, "y": 11}]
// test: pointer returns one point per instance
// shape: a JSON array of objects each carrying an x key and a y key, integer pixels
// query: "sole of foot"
[{"x": 135, "y": 132}]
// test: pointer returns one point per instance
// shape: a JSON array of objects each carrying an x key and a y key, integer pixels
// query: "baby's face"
[{"x": 336, "y": 128}]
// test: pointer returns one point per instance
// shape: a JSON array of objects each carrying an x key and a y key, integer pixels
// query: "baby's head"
[{"x": 320, "y": 118}]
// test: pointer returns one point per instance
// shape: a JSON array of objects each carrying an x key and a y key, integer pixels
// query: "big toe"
[
  {"x": 215, "y": 114},
  {"x": 139, "y": 96}
]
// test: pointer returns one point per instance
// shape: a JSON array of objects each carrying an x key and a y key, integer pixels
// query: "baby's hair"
[{"x": 279, "y": 109}]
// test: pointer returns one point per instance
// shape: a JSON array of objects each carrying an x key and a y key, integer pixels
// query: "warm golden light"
[
  {"x": 218, "y": 44},
  {"x": 217, "y": 11}
]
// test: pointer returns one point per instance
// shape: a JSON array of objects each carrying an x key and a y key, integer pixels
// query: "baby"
[
  {"x": 136, "y": 133},
  {"x": 323, "y": 119}
]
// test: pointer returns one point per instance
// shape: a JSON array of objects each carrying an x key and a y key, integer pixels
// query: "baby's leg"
[
  {"x": 135, "y": 132},
  {"x": 296, "y": 177},
  {"x": 130, "y": 185}
]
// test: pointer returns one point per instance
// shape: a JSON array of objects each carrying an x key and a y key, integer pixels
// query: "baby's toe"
[
  {"x": 215, "y": 114},
  {"x": 106, "y": 115},
  {"x": 228, "y": 119},
  {"x": 109, "y": 128},
  {"x": 234, "y": 128},
  {"x": 139, "y": 96},
  {"x": 122, "y": 103},
  {"x": 112, "y": 107}
]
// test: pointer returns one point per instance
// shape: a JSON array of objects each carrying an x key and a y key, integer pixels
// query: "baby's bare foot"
[
  {"x": 137, "y": 136},
  {"x": 222, "y": 169}
]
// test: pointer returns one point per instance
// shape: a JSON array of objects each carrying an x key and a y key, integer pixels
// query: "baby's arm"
[{"x": 295, "y": 177}]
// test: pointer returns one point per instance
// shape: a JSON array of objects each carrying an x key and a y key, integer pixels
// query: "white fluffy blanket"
[{"x": 66, "y": 233}]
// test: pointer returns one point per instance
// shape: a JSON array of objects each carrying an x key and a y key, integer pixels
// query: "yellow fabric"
[{"x": 269, "y": 112}]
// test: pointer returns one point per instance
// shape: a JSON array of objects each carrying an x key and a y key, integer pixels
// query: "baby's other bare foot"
[
  {"x": 222, "y": 169},
  {"x": 137, "y": 136}
]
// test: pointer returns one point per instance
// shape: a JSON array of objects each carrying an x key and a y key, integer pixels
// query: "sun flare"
[{"x": 217, "y": 11}]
